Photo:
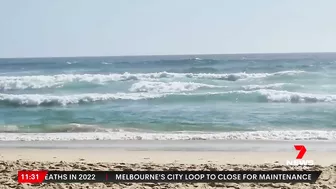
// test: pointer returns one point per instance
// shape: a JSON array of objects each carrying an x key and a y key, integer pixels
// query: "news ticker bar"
[{"x": 44, "y": 176}]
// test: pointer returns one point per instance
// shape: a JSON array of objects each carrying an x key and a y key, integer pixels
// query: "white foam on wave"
[
  {"x": 281, "y": 96},
  {"x": 37, "y": 99},
  {"x": 256, "y": 135},
  {"x": 46, "y": 99},
  {"x": 169, "y": 87},
  {"x": 286, "y": 96},
  {"x": 242, "y": 75},
  {"x": 268, "y": 86},
  {"x": 48, "y": 81}
]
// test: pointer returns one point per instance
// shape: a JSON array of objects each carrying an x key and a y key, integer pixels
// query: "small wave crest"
[
  {"x": 195, "y": 70},
  {"x": 269, "y": 86},
  {"x": 49, "y": 81},
  {"x": 238, "y": 76},
  {"x": 67, "y": 128},
  {"x": 74, "y": 128},
  {"x": 170, "y": 87}
]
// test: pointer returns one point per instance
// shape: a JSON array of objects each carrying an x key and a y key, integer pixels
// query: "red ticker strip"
[{"x": 31, "y": 176}]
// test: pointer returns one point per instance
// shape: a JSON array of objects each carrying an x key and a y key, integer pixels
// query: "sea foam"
[
  {"x": 126, "y": 135},
  {"x": 166, "y": 87},
  {"x": 263, "y": 95},
  {"x": 48, "y": 81},
  {"x": 49, "y": 100}
]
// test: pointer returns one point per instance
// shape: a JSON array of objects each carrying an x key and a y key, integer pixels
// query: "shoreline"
[{"x": 106, "y": 134}]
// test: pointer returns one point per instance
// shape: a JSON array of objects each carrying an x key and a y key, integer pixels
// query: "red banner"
[{"x": 31, "y": 176}]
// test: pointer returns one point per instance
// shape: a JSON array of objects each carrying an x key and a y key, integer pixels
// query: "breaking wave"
[
  {"x": 262, "y": 95},
  {"x": 50, "y": 100},
  {"x": 295, "y": 97},
  {"x": 54, "y": 81}
]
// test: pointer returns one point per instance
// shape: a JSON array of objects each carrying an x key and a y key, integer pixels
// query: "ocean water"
[{"x": 203, "y": 97}]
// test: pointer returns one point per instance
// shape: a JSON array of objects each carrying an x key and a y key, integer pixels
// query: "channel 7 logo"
[{"x": 302, "y": 151}]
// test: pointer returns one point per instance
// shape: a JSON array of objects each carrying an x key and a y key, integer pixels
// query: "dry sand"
[{"x": 14, "y": 159}]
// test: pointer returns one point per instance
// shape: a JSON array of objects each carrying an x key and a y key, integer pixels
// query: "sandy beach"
[{"x": 34, "y": 156}]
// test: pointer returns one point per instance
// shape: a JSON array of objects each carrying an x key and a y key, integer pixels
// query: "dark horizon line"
[{"x": 157, "y": 55}]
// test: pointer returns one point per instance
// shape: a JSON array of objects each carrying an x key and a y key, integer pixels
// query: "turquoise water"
[{"x": 285, "y": 96}]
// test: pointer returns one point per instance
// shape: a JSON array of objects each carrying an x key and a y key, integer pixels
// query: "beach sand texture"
[{"x": 105, "y": 159}]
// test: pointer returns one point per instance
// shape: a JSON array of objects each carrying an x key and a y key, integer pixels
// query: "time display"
[{"x": 31, "y": 176}]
